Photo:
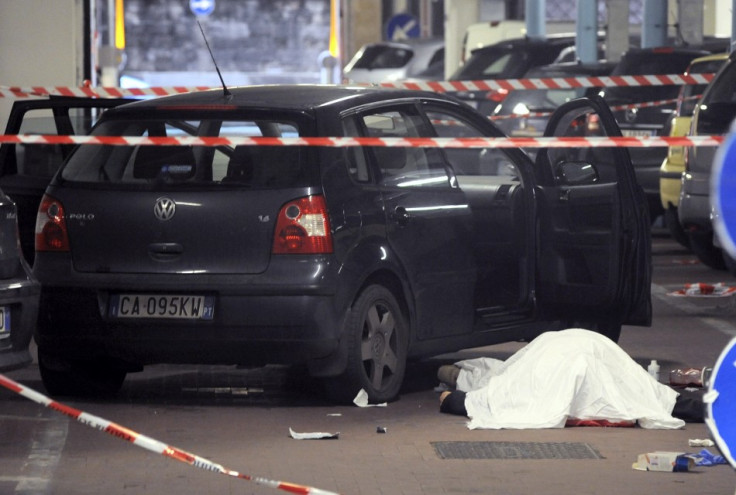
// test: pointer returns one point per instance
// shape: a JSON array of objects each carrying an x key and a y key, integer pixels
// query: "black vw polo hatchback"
[{"x": 349, "y": 260}]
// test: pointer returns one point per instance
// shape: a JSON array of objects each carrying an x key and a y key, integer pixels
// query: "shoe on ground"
[{"x": 448, "y": 374}]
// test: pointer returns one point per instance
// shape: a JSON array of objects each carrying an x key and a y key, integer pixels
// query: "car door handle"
[
  {"x": 565, "y": 195},
  {"x": 401, "y": 216}
]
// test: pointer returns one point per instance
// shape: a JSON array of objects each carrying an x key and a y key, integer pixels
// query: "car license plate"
[
  {"x": 185, "y": 307},
  {"x": 637, "y": 132},
  {"x": 4, "y": 322}
]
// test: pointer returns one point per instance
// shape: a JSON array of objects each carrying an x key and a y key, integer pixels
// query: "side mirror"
[{"x": 575, "y": 173}]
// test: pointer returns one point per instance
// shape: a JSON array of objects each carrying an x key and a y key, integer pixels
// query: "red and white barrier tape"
[
  {"x": 149, "y": 443},
  {"x": 554, "y": 83},
  {"x": 98, "y": 92},
  {"x": 342, "y": 142},
  {"x": 435, "y": 86},
  {"x": 616, "y": 108}
]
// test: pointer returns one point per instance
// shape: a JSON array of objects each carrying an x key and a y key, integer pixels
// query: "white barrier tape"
[
  {"x": 434, "y": 86},
  {"x": 342, "y": 142},
  {"x": 149, "y": 443}
]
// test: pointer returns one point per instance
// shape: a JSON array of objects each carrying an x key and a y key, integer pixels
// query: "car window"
[
  {"x": 648, "y": 63},
  {"x": 522, "y": 102},
  {"x": 492, "y": 163},
  {"x": 399, "y": 166},
  {"x": 383, "y": 57},
  {"x": 584, "y": 165},
  {"x": 492, "y": 62},
  {"x": 355, "y": 157},
  {"x": 723, "y": 89},
  {"x": 690, "y": 92},
  {"x": 43, "y": 160},
  {"x": 151, "y": 166},
  {"x": 437, "y": 58}
]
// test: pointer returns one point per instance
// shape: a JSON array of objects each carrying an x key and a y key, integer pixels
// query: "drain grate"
[{"x": 515, "y": 450}]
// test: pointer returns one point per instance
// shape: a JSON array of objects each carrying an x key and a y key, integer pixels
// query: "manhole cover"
[{"x": 515, "y": 450}]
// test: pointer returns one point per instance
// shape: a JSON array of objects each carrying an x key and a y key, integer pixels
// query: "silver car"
[
  {"x": 712, "y": 116},
  {"x": 394, "y": 61},
  {"x": 19, "y": 293}
]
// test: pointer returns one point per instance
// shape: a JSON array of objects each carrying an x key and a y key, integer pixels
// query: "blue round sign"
[
  {"x": 202, "y": 7},
  {"x": 722, "y": 193},
  {"x": 721, "y": 403},
  {"x": 402, "y": 27}
]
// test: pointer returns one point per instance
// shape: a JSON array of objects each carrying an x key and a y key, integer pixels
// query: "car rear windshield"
[
  {"x": 43, "y": 160},
  {"x": 492, "y": 63},
  {"x": 649, "y": 63},
  {"x": 149, "y": 166},
  {"x": 383, "y": 57}
]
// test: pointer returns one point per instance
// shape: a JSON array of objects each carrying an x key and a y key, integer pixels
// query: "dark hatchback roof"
[
  {"x": 293, "y": 97},
  {"x": 520, "y": 55},
  {"x": 550, "y": 42},
  {"x": 572, "y": 69}
]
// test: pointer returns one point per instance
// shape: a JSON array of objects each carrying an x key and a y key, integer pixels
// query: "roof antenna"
[{"x": 225, "y": 91}]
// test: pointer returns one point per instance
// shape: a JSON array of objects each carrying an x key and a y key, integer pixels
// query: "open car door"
[{"x": 594, "y": 254}]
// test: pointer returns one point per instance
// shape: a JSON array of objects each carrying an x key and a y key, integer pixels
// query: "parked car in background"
[
  {"x": 488, "y": 33},
  {"x": 670, "y": 173},
  {"x": 19, "y": 293},
  {"x": 510, "y": 59},
  {"x": 26, "y": 169},
  {"x": 639, "y": 120},
  {"x": 351, "y": 260},
  {"x": 524, "y": 113},
  {"x": 712, "y": 116},
  {"x": 391, "y": 61}
]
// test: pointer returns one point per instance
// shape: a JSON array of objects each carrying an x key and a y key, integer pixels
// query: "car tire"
[
  {"x": 78, "y": 378},
  {"x": 377, "y": 335},
  {"x": 707, "y": 253},
  {"x": 673, "y": 225}
]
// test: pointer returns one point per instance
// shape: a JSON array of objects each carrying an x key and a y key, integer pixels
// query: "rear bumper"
[
  {"x": 245, "y": 330},
  {"x": 22, "y": 299}
]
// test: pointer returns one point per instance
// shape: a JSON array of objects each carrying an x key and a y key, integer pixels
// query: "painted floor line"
[{"x": 46, "y": 447}]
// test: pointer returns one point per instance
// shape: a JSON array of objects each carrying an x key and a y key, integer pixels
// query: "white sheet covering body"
[{"x": 572, "y": 373}]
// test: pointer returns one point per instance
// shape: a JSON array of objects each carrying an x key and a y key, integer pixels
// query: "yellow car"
[{"x": 673, "y": 166}]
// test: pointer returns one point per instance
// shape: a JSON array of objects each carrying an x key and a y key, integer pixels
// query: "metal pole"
[
  {"x": 586, "y": 40},
  {"x": 654, "y": 29},
  {"x": 536, "y": 13}
]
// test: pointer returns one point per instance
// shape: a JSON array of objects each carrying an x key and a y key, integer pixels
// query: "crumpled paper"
[
  {"x": 317, "y": 435},
  {"x": 361, "y": 400},
  {"x": 697, "y": 442}
]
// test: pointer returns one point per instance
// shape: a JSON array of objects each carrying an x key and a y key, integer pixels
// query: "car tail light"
[
  {"x": 303, "y": 227},
  {"x": 497, "y": 95},
  {"x": 51, "y": 232}
]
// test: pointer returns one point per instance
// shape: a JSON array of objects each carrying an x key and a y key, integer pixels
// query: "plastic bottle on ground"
[{"x": 653, "y": 369}]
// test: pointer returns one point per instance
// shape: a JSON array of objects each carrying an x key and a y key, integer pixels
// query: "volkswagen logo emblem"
[{"x": 164, "y": 209}]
